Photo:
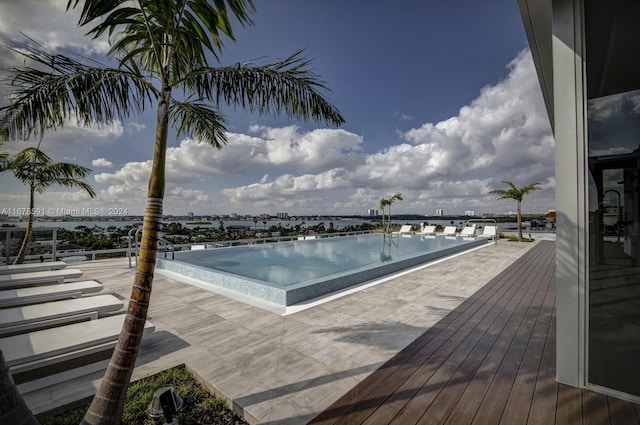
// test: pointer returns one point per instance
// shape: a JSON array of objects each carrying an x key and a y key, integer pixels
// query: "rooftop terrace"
[{"x": 467, "y": 340}]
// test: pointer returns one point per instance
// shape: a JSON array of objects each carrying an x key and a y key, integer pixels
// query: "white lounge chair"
[
  {"x": 46, "y": 315},
  {"x": 489, "y": 232},
  {"x": 428, "y": 230},
  {"x": 38, "y": 294},
  {"x": 32, "y": 267},
  {"x": 20, "y": 280},
  {"x": 405, "y": 229},
  {"x": 449, "y": 231},
  {"x": 47, "y": 347},
  {"x": 468, "y": 231}
]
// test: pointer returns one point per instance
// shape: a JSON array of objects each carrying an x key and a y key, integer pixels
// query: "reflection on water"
[{"x": 288, "y": 263}]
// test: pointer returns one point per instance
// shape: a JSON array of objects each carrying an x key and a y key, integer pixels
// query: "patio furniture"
[
  {"x": 56, "y": 346},
  {"x": 21, "y": 280},
  {"x": 32, "y": 267},
  {"x": 38, "y": 294},
  {"x": 49, "y": 314}
]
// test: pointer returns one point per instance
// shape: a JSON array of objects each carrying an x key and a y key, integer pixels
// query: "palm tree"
[
  {"x": 383, "y": 204},
  {"x": 516, "y": 193},
  {"x": 161, "y": 48},
  {"x": 396, "y": 197},
  {"x": 35, "y": 169}
]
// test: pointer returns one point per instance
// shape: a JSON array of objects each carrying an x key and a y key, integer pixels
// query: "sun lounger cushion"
[
  {"x": 469, "y": 231},
  {"x": 37, "y": 316},
  {"x": 32, "y": 267},
  {"x": 406, "y": 228},
  {"x": 449, "y": 231},
  {"x": 18, "y": 280},
  {"x": 489, "y": 232},
  {"x": 428, "y": 230},
  {"x": 50, "y": 346},
  {"x": 37, "y": 294}
]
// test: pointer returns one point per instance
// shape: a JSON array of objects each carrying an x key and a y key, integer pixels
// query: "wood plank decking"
[{"x": 490, "y": 361}]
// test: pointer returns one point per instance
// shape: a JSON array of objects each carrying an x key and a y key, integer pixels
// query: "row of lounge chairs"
[
  {"x": 489, "y": 231},
  {"x": 49, "y": 324}
]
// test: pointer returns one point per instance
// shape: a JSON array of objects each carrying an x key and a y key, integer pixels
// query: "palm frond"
[
  {"x": 288, "y": 86},
  {"x": 201, "y": 120},
  {"x": 514, "y": 192},
  {"x": 37, "y": 170},
  {"x": 168, "y": 36},
  {"x": 57, "y": 87}
]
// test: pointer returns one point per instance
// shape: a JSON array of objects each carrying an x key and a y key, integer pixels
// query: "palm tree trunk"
[
  {"x": 106, "y": 407},
  {"x": 27, "y": 236},
  {"x": 389, "y": 220},
  {"x": 383, "y": 230},
  {"x": 13, "y": 409},
  {"x": 519, "y": 222}
]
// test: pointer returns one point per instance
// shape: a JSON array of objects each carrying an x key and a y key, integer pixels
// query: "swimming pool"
[{"x": 287, "y": 273}]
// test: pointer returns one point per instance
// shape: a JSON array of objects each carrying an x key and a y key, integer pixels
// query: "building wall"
[{"x": 569, "y": 118}]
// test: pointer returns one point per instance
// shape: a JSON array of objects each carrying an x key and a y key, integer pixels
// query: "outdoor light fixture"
[{"x": 166, "y": 402}]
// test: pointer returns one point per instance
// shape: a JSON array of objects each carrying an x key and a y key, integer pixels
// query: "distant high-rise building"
[
  {"x": 282, "y": 216},
  {"x": 372, "y": 212},
  {"x": 190, "y": 214},
  {"x": 439, "y": 212},
  {"x": 470, "y": 213}
]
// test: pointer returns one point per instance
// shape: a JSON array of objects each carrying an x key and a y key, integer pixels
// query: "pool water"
[{"x": 287, "y": 273}]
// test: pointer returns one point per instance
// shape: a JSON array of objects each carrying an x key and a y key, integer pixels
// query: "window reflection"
[{"x": 614, "y": 241}]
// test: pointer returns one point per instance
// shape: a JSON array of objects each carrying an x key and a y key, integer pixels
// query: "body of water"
[
  {"x": 337, "y": 223},
  {"x": 290, "y": 272}
]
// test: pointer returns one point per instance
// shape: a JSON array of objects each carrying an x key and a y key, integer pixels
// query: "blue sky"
[{"x": 440, "y": 99}]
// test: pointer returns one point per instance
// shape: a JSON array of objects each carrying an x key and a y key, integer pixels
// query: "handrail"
[
  {"x": 171, "y": 248},
  {"x": 177, "y": 247}
]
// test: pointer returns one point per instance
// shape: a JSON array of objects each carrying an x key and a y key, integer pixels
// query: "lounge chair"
[
  {"x": 489, "y": 232},
  {"x": 46, "y": 315},
  {"x": 39, "y": 294},
  {"x": 449, "y": 231},
  {"x": 55, "y": 346},
  {"x": 468, "y": 232},
  {"x": 405, "y": 230},
  {"x": 427, "y": 231},
  {"x": 32, "y": 267},
  {"x": 21, "y": 280}
]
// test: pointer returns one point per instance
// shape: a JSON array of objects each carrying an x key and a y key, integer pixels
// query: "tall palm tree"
[
  {"x": 396, "y": 197},
  {"x": 35, "y": 169},
  {"x": 384, "y": 203},
  {"x": 161, "y": 49},
  {"x": 516, "y": 193}
]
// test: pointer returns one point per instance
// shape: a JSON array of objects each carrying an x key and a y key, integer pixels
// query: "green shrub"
[{"x": 200, "y": 407}]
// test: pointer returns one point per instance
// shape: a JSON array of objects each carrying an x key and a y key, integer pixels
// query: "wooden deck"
[{"x": 490, "y": 361}]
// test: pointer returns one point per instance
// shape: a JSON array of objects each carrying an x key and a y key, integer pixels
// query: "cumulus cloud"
[
  {"x": 503, "y": 134},
  {"x": 48, "y": 23},
  {"x": 315, "y": 150},
  {"x": 102, "y": 162},
  {"x": 289, "y": 186},
  {"x": 135, "y": 127},
  {"x": 73, "y": 136}
]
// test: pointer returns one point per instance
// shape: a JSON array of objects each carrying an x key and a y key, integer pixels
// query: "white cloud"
[
  {"x": 135, "y": 127},
  {"x": 452, "y": 164},
  {"x": 503, "y": 134},
  {"x": 47, "y": 22},
  {"x": 315, "y": 150},
  {"x": 102, "y": 162},
  {"x": 73, "y": 136}
]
